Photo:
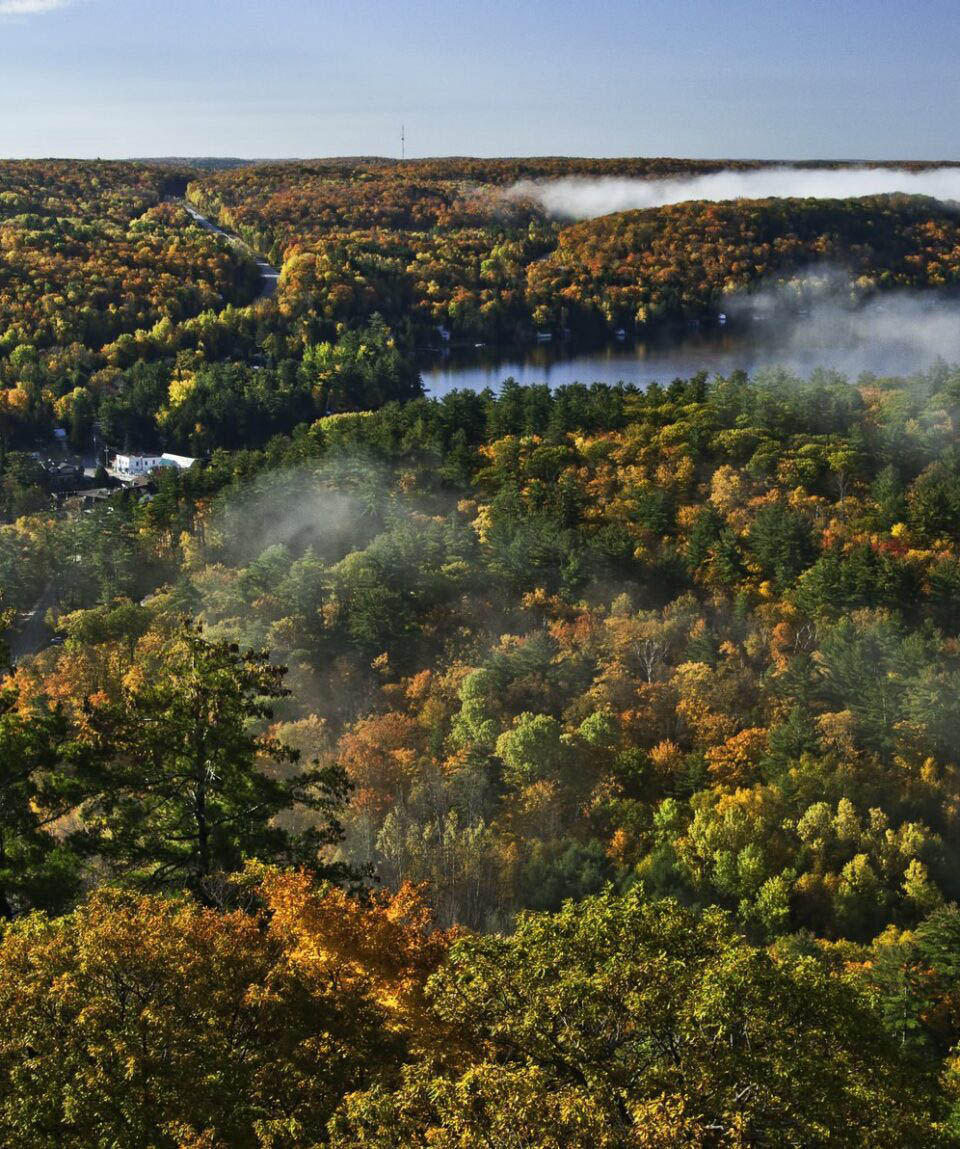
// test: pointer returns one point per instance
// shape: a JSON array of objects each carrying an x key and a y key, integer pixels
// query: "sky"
[{"x": 776, "y": 79}]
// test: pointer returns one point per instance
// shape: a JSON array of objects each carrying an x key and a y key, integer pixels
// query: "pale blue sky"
[{"x": 869, "y": 79}]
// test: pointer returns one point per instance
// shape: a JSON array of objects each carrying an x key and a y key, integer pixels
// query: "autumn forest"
[{"x": 542, "y": 767}]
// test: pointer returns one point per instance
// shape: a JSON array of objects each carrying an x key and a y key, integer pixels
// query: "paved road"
[{"x": 269, "y": 276}]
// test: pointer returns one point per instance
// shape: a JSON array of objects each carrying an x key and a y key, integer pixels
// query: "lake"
[{"x": 896, "y": 335}]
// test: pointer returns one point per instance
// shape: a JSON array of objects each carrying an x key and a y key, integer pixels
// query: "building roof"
[{"x": 185, "y": 462}]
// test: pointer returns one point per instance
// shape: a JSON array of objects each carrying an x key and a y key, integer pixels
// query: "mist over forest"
[
  {"x": 579, "y": 197},
  {"x": 570, "y": 766}
]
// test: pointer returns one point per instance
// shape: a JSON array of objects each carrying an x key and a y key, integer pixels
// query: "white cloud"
[
  {"x": 30, "y": 7},
  {"x": 585, "y": 198}
]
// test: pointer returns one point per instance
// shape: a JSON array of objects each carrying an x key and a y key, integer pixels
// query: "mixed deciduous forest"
[{"x": 545, "y": 768}]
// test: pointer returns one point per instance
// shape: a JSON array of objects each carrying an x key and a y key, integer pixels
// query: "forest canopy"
[{"x": 570, "y": 767}]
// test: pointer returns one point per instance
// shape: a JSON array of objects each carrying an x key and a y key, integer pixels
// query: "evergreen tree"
[
  {"x": 36, "y": 788},
  {"x": 181, "y": 785}
]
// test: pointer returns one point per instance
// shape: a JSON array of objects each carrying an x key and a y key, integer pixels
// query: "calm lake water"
[{"x": 887, "y": 339}]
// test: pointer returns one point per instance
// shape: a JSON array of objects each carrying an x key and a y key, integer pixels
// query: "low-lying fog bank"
[
  {"x": 818, "y": 318},
  {"x": 576, "y": 198}
]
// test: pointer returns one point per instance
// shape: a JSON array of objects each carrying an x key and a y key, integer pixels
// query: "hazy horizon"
[
  {"x": 113, "y": 79},
  {"x": 848, "y": 162}
]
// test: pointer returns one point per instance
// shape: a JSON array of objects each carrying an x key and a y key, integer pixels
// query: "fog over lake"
[{"x": 893, "y": 334}]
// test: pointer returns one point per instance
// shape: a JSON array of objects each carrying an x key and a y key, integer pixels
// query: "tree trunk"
[
  {"x": 203, "y": 833},
  {"x": 6, "y": 910}
]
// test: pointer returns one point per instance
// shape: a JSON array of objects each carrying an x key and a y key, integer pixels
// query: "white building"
[
  {"x": 137, "y": 466},
  {"x": 134, "y": 465}
]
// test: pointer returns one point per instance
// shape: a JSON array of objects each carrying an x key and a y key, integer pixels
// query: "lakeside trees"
[
  {"x": 457, "y": 245},
  {"x": 635, "y": 269},
  {"x": 119, "y": 312}
]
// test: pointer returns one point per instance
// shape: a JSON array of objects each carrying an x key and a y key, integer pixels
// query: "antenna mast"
[{"x": 403, "y": 143}]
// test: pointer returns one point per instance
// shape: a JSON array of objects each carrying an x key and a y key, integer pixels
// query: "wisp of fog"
[
  {"x": 577, "y": 198},
  {"x": 815, "y": 321}
]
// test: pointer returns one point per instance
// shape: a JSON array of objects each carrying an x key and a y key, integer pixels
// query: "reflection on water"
[
  {"x": 684, "y": 354},
  {"x": 851, "y": 343}
]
